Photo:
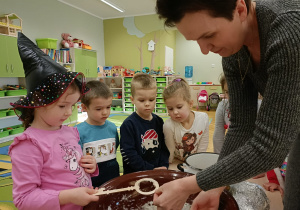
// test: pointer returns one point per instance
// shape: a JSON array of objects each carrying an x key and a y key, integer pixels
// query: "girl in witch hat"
[{"x": 48, "y": 168}]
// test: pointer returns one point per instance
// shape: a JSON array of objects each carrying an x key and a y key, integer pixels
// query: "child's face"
[
  {"x": 226, "y": 91},
  {"x": 52, "y": 117},
  {"x": 144, "y": 101},
  {"x": 98, "y": 110},
  {"x": 178, "y": 109}
]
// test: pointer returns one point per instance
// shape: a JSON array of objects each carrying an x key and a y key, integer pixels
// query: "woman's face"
[{"x": 217, "y": 35}]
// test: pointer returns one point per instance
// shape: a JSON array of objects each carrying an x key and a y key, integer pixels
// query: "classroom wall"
[
  {"x": 126, "y": 41},
  {"x": 51, "y": 18},
  {"x": 206, "y": 68}
]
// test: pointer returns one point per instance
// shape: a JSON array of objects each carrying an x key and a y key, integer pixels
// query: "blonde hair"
[
  {"x": 142, "y": 81},
  {"x": 178, "y": 87},
  {"x": 97, "y": 90},
  {"x": 223, "y": 81}
]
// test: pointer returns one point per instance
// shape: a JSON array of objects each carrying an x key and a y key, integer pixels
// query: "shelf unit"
[
  {"x": 160, "y": 107},
  {"x": 117, "y": 104},
  {"x": 8, "y": 121}
]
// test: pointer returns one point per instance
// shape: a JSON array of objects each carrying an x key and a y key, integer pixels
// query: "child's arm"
[
  {"x": 219, "y": 133},
  {"x": 79, "y": 196},
  {"x": 169, "y": 139},
  {"x": 89, "y": 164},
  {"x": 205, "y": 136},
  {"x": 131, "y": 148}
]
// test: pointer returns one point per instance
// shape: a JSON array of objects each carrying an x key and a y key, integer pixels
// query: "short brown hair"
[
  {"x": 97, "y": 90},
  {"x": 178, "y": 87},
  {"x": 142, "y": 81}
]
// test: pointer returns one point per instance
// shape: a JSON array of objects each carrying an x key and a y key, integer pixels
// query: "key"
[{"x": 136, "y": 187}]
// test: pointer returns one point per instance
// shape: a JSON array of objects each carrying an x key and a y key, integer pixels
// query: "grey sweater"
[{"x": 258, "y": 143}]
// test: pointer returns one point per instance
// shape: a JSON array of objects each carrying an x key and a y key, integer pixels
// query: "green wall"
[{"x": 122, "y": 48}]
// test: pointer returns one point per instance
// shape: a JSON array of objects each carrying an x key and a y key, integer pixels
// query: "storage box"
[
  {"x": 127, "y": 94},
  {"x": 10, "y": 113},
  {"x": 16, "y": 92},
  {"x": 127, "y": 79},
  {"x": 159, "y": 95},
  {"x": 161, "y": 84},
  {"x": 160, "y": 90},
  {"x": 160, "y": 100},
  {"x": 2, "y": 93},
  {"x": 119, "y": 109},
  {"x": 161, "y": 105},
  {"x": 129, "y": 109},
  {"x": 161, "y": 79},
  {"x": 127, "y": 89},
  {"x": 129, "y": 104},
  {"x": 16, "y": 130},
  {"x": 127, "y": 99},
  {"x": 127, "y": 84},
  {"x": 3, "y": 113},
  {"x": 4, "y": 132},
  {"x": 161, "y": 111},
  {"x": 46, "y": 43}
]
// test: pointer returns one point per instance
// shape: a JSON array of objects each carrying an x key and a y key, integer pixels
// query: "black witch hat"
[{"x": 46, "y": 80}]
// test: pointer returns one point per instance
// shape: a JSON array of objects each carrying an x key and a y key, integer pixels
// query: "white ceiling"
[{"x": 99, "y": 9}]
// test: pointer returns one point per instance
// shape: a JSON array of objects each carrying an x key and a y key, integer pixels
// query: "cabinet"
[
  {"x": 161, "y": 83},
  {"x": 10, "y": 61},
  {"x": 85, "y": 61},
  {"x": 117, "y": 89}
]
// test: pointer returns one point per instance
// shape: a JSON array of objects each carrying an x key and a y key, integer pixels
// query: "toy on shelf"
[
  {"x": 113, "y": 84},
  {"x": 146, "y": 70},
  {"x": 14, "y": 87},
  {"x": 168, "y": 71},
  {"x": 10, "y": 24},
  {"x": 100, "y": 71},
  {"x": 116, "y": 71},
  {"x": 107, "y": 71},
  {"x": 67, "y": 41}
]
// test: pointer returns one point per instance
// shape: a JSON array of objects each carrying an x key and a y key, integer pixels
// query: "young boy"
[
  {"x": 98, "y": 136},
  {"x": 142, "y": 140}
]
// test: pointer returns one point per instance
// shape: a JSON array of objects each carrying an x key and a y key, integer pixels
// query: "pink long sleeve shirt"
[{"x": 44, "y": 163}]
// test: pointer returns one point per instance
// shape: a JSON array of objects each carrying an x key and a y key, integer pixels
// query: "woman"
[
  {"x": 260, "y": 46},
  {"x": 221, "y": 118}
]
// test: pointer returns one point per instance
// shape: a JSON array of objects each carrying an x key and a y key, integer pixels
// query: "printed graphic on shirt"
[
  {"x": 188, "y": 145},
  {"x": 149, "y": 141},
  {"x": 103, "y": 150},
  {"x": 72, "y": 157}
]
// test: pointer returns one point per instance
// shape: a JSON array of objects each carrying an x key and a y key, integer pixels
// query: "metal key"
[{"x": 136, "y": 187}]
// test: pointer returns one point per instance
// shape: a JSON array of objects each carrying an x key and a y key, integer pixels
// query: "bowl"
[{"x": 134, "y": 201}]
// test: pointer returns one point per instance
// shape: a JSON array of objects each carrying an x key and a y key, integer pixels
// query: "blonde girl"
[
  {"x": 48, "y": 168},
  {"x": 183, "y": 121}
]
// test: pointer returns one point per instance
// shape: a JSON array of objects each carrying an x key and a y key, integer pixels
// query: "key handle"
[{"x": 136, "y": 187}]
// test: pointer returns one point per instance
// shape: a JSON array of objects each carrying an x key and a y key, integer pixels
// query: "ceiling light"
[{"x": 112, "y": 5}]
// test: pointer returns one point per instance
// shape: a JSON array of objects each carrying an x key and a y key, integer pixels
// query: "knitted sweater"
[{"x": 258, "y": 143}]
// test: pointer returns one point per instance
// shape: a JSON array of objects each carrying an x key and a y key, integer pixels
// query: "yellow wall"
[{"x": 121, "y": 48}]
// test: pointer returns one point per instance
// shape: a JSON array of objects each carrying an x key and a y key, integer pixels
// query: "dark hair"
[
  {"x": 28, "y": 113},
  {"x": 97, "y": 90},
  {"x": 174, "y": 10}
]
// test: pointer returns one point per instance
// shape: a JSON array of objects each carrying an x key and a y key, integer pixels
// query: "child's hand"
[
  {"x": 159, "y": 168},
  {"x": 79, "y": 196},
  {"x": 89, "y": 163},
  {"x": 272, "y": 187}
]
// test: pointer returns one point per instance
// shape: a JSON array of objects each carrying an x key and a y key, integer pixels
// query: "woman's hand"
[
  {"x": 272, "y": 187},
  {"x": 208, "y": 200},
  {"x": 89, "y": 163},
  {"x": 79, "y": 196},
  {"x": 174, "y": 194}
]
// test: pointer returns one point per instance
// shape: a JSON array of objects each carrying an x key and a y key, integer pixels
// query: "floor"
[{"x": 5, "y": 166}]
